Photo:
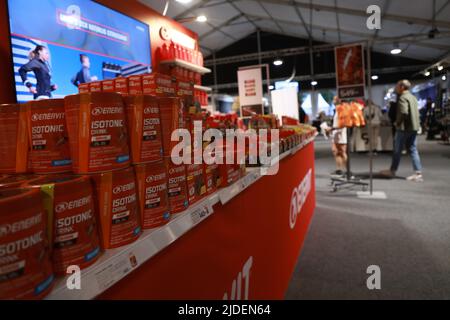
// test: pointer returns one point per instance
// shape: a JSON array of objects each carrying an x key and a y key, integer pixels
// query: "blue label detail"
[
  {"x": 61, "y": 163},
  {"x": 44, "y": 285},
  {"x": 92, "y": 255},
  {"x": 137, "y": 231},
  {"x": 186, "y": 204},
  {"x": 123, "y": 159},
  {"x": 166, "y": 216}
]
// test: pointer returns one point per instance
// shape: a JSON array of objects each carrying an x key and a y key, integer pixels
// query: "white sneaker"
[{"x": 417, "y": 177}]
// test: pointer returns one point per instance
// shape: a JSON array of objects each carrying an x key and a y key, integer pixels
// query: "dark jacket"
[
  {"x": 43, "y": 76},
  {"x": 83, "y": 76}
]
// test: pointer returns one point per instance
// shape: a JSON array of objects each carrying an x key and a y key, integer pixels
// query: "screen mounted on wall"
[{"x": 59, "y": 44}]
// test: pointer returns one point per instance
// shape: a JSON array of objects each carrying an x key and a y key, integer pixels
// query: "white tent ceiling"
[{"x": 333, "y": 21}]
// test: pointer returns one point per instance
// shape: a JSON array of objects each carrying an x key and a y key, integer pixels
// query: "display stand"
[{"x": 349, "y": 181}]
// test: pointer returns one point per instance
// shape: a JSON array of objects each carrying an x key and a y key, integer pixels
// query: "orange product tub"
[
  {"x": 153, "y": 197},
  {"x": 98, "y": 132},
  {"x": 13, "y": 139},
  {"x": 172, "y": 118},
  {"x": 144, "y": 125},
  {"x": 48, "y": 137},
  {"x": 177, "y": 187},
  {"x": 25, "y": 267},
  {"x": 117, "y": 207},
  {"x": 72, "y": 225}
]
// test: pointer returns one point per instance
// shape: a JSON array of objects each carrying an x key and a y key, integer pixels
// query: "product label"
[
  {"x": 95, "y": 87},
  {"x": 172, "y": 118},
  {"x": 152, "y": 182},
  {"x": 108, "y": 86},
  {"x": 135, "y": 85},
  {"x": 10, "y": 138},
  {"x": 25, "y": 267},
  {"x": 75, "y": 239},
  {"x": 83, "y": 88},
  {"x": 195, "y": 183},
  {"x": 158, "y": 85},
  {"x": 177, "y": 188},
  {"x": 121, "y": 85},
  {"x": 50, "y": 150},
  {"x": 125, "y": 222},
  {"x": 145, "y": 130}
]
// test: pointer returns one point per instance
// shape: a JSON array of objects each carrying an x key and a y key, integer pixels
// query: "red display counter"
[{"x": 247, "y": 249}]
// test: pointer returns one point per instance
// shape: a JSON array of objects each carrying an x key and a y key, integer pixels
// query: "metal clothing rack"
[{"x": 349, "y": 181}]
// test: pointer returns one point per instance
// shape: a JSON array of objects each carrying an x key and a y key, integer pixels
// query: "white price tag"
[
  {"x": 113, "y": 272},
  {"x": 201, "y": 213},
  {"x": 248, "y": 180}
]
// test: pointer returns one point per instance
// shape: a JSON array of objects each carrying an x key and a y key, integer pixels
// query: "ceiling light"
[
  {"x": 374, "y": 77},
  {"x": 278, "y": 62},
  {"x": 271, "y": 87},
  {"x": 440, "y": 68},
  {"x": 202, "y": 19},
  {"x": 183, "y": 1},
  {"x": 314, "y": 83},
  {"x": 444, "y": 78},
  {"x": 427, "y": 74},
  {"x": 396, "y": 49}
]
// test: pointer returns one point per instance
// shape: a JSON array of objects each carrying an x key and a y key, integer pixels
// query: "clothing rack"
[{"x": 349, "y": 181}]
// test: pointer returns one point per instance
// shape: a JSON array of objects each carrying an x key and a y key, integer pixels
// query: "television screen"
[{"x": 59, "y": 44}]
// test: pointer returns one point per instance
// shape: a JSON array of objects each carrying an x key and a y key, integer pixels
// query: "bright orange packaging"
[
  {"x": 121, "y": 85},
  {"x": 48, "y": 137},
  {"x": 178, "y": 197},
  {"x": 84, "y": 88},
  {"x": 98, "y": 132},
  {"x": 172, "y": 118},
  {"x": 13, "y": 139},
  {"x": 144, "y": 124},
  {"x": 185, "y": 91},
  {"x": 159, "y": 85},
  {"x": 25, "y": 267},
  {"x": 153, "y": 197},
  {"x": 95, "y": 86},
  {"x": 195, "y": 181},
  {"x": 72, "y": 224},
  {"x": 117, "y": 207},
  {"x": 108, "y": 86},
  {"x": 135, "y": 85}
]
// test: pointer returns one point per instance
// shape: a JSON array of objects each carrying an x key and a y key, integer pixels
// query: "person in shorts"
[{"x": 339, "y": 143}]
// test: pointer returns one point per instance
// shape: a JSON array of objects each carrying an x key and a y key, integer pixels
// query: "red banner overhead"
[{"x": 350, "y": 71}]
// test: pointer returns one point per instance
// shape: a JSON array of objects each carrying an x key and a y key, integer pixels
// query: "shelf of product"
[
  {"x": 117, "y": 198},
  {"x": 116, "y": 264},
  {"x": 186, "y": 65}
]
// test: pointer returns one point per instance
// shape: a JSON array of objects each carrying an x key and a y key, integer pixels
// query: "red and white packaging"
[
  {"x": 117, "y": 207},
  {"x": 153, "y": 197},
  {"x": 230, "y": 173},
  {"x": 98, "y": 132},
  {"x": 121, "y": 86},
  {"x": 213, "y": 179},
  {"x": 185, "y": 91},
  {"x": 48, "y": 137},
  {"x": 72, "y": 225},
  {"x": 135, "y": 85},
  {"x": 195, "y": 182},
  {"x": 172, "y": 118},
  {"x": 25, "y": 267},
  {"x": 95, "y": 86},
  {"x": 108, "y": 86},
  {"x": 144, "y": 126},
  {"x": 178, "y": 196},
  {"x": 84, "y": 88},
  {"x": 159, "y": 85},
  {"x": 13, "y": 139}
]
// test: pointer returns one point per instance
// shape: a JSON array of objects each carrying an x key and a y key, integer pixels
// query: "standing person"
[
  {"x": 39, "y": 65},
  {"x": 430, "y": 119},
  {"x": 339, "y": 143},
  {"x": 407, "y": 125},
  {"x": 84, "y": 75},
  {"x": 375, "y": 116}
]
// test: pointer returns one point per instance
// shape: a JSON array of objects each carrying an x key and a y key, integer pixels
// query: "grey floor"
[{"x": 407, "y": 235}]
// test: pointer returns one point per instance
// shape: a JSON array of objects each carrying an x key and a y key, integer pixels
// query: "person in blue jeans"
[{"x": 407, "y": 124}]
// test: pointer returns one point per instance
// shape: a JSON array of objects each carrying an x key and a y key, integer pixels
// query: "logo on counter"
[
  {"x": 299, "y": 197},
  {"x": 240, "y": 287}
]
